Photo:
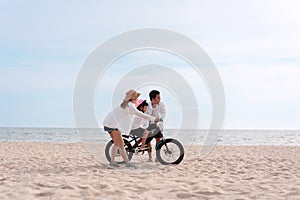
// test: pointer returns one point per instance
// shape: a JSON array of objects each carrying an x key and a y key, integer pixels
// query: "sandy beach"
[{"x": 67, "y": 171}]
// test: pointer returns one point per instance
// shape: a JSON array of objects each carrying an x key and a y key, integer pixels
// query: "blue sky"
[{"x": 255, "y": 46}]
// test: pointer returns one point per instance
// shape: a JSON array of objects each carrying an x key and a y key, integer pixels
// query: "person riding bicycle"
[
  {"x": 156, "y": 108},
  {"x": 119, "y": 119},
  {"x": 139, "y": 127}
]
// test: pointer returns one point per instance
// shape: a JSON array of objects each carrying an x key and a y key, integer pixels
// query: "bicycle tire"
[
  {"x": 162, "y": 153},
  {"x": 128, "y": 149}
]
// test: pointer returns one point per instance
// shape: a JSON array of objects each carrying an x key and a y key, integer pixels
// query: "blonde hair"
[{"x": 128, "y": 96}]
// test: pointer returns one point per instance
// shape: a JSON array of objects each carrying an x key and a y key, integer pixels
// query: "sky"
[{"x": 254, "y": 45}]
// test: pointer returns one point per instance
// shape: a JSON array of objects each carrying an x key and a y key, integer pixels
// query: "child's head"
[{"x": 141, "y": 105}]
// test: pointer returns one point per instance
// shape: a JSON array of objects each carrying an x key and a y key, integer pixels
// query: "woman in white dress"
[{"x": 120, "y": 120}]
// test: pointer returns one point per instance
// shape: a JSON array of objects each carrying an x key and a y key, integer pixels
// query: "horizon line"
[{"x": 169, "y": 128}]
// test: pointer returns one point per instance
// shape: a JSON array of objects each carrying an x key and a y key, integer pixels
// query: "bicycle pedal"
[{"x": 136, "y": 150}]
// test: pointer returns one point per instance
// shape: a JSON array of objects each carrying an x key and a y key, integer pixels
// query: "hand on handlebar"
[{"x": 157, "y": 119}]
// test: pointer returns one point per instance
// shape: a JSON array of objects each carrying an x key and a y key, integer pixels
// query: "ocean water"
[{"x": 227, "y": 137}]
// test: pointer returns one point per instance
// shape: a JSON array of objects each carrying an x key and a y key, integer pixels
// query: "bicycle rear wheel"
[
  {"x": 118, "y": 158},
  {"x": 169, "y": 151}
]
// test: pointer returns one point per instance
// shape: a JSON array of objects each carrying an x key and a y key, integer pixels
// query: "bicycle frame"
[{"x": 165, "y": 149}]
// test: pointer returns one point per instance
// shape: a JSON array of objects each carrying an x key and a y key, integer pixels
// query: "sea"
[{"x": 199, "y": 137}]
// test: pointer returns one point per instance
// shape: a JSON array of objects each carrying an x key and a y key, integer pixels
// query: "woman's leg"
[
  {"x": 119, "y": 143},
  {"x": 113, "y": 150}
]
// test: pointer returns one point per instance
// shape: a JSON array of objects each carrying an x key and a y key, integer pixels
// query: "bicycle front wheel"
[{"x": 169, "y": 151}]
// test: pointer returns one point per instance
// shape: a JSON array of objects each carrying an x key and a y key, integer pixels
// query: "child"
[{"x": 140, "y": 125}]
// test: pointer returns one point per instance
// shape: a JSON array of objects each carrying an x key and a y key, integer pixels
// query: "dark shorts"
[
  {"x": 156, "y": 134},
  {"x": 109, "y": 130},
  {"x": 139, "y": 132}
]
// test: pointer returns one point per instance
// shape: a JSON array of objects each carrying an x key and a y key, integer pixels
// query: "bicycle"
[{"x": 168, "y": 151}]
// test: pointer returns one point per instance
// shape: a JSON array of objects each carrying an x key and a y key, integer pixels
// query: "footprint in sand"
[
  {"x": 44, "y": 194},
  {"x": 66, "y": 187},
  {"x": 185, "y": 195}
]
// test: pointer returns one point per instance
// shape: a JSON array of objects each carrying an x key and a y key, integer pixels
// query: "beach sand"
[{"x": 68, "y": 171}]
